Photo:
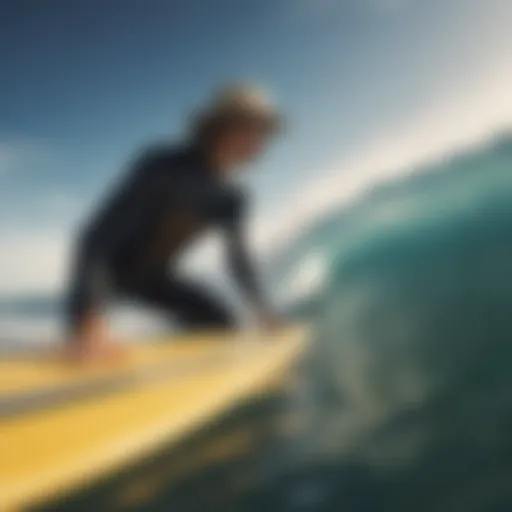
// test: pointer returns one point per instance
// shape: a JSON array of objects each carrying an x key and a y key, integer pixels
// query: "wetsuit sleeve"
[
  {"x": 240, "y": 259},
  {"x": 123, "y": 212}
]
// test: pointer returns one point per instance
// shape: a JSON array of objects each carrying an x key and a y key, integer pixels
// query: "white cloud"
[
  {"x": 32, "y": 262},
  {"x": 33, "y": 239}
]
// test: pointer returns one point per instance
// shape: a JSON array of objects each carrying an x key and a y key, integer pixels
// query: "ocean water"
[
  {"x": 405, "y": 400},
  {"x": 408, "y": 393}
]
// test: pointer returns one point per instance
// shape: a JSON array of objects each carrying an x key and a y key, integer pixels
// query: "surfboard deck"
[
  {"x": 25, "y": 372},
  {"x": 58, "y": 447}
]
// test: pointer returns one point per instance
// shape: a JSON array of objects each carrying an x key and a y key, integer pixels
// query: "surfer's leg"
[{"x": 193, "y": 306}]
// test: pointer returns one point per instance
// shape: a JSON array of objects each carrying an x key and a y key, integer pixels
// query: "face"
[{"x": 243, "y": 143}]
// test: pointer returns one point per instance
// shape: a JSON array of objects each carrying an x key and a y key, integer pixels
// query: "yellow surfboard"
[{"x": 62, "y": 427}]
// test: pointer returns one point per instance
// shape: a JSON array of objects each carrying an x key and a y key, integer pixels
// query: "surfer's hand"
[
  {"x": 91, "y": 342},
  {"x": 89, "y": 353},
  {"x": 269, "y": 321}
]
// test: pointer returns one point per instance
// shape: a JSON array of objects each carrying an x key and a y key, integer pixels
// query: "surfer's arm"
[
  {"x": 244, "y": 272},
  {"x": 92, "y": 275},
  {"x": 242, "y": 266}
]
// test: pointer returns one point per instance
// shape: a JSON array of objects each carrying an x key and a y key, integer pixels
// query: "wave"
[{"x": 411, "y": 373}]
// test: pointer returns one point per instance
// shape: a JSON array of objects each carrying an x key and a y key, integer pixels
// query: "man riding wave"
[{"x": 171, "y": 195}]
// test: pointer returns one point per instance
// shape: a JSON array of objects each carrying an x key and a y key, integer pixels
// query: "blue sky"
[{"x": 369, "y": 86}]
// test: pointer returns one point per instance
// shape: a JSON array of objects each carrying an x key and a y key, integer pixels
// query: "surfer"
[{"x": 171, "y": 195}]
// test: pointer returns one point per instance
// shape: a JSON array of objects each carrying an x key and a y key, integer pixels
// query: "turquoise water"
[
  {"x": 413, "y": 403},
  {"x": 409, "y": 388},
  {"x": 405, "y": 400}
]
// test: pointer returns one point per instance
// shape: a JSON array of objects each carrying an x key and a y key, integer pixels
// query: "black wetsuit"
[{"x": 170, "y": 196}]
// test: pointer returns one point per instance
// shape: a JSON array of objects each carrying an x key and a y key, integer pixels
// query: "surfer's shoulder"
[{"x": 164, "y": 154}]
